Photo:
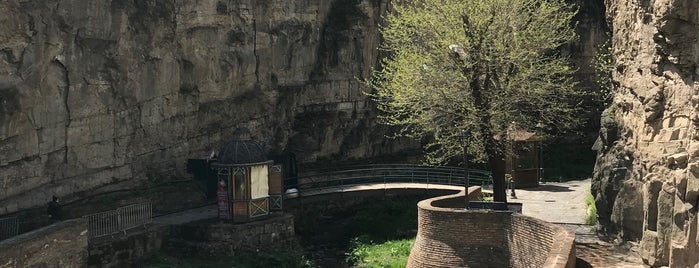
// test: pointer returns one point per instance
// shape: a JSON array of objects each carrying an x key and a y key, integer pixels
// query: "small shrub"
[{"x": 591, "y": 216}]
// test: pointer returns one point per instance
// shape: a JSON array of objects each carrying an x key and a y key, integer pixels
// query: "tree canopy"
[{"x": 475, "y": 66}]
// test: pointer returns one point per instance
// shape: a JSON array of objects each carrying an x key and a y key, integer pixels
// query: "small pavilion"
[
  {"x": 523, "y": 161},
  {"x": 249, "y": 185},
  {"x": 523, "y": 157}
]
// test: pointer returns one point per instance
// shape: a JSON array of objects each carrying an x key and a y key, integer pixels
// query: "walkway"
[
  {"x": 564, "y": 203},
  {"x": 187, "y": 216},
  {"x": 555, "y": 202}
]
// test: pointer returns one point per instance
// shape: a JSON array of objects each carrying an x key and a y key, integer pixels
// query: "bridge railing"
[
  {"x": 390, "y": 174},
  {"x": 122, "y": 219},
  {"x": 9, "y": 227}
]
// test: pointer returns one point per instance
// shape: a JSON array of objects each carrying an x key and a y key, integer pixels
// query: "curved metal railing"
[{"x": 389, "y": 173}]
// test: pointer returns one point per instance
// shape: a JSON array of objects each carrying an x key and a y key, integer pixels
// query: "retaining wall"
[
  {"x": 450, "y": 236},
  {"x": 127, "y": 250},
  {"x": 211, "y": 238},
  {"x": 62, "y": 244}
]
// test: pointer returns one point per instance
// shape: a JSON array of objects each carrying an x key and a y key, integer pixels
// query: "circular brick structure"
[{"x": 450, "y": 236}]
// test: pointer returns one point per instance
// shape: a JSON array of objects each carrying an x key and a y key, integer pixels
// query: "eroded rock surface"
[
  {"x": 98, "y": 95},
  {"x": 646, "y": 180}
]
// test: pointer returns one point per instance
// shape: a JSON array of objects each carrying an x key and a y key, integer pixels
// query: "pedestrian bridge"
[
  {"x": 352, "y": 184},
  {"x": 388, "y": 176}
]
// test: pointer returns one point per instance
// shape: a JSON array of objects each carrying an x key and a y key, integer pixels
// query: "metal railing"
[
  {"x": 119, "y": 220},
  {"x": 135, "y": 215},
  {"x": 9, "y": 227},
  {"x": 445, "y": 175}
]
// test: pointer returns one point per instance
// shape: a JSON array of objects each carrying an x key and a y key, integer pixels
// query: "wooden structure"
[
  {"x": 523, "y": 158},
  {"x": 249, "y": 186}
]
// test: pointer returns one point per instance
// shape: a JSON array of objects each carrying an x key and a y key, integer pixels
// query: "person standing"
[{"x": 54, "y": 210}]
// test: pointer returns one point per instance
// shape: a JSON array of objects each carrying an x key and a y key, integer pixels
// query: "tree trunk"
[
  {"x": 497, "y": 167},
  {"x": 496, "y": 159}
]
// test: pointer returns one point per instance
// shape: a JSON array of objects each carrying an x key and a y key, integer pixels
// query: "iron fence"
[
  {"x": 9, "y": 227},
  {"x": 134, "y": 215},
  {"x": 444, "y": 175},
  {"x": 120, "y": 220}
]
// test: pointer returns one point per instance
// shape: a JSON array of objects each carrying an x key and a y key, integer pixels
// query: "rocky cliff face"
[
  {"x": 96, "y": 95},
  {"x": 646, "y": 180}
]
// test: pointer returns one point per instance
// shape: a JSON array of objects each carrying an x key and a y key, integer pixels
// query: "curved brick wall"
[{"x": 449, "y": 236}]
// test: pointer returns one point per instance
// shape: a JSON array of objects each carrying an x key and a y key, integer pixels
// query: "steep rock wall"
[
  {"x": 97, "y": 94},
  {"x": 646, "y": 180}
]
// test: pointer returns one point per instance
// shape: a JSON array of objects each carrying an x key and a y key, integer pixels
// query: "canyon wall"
[
  {"x": 646, "y": 180},
  {"x": 98, "y": 95},
  {"x": 103, "y": 95}
]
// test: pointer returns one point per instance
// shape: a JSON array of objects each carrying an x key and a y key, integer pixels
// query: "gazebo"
[
  {"x": 249, "y": 185},
  {"x": 523, "y": 158}
]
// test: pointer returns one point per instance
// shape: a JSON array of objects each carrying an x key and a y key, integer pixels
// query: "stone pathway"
[
  {"x": 190, "y": 215},
  {"x": 555, "y": 202},
  {"x": 564, "y": 203}
]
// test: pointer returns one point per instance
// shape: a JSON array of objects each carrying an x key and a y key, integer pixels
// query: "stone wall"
[
  {"x": 127, "y": 251},
  {"x": 646, "y": 180},
  {"x": 62, "y": 244},
  {"x": 211, "y": 238},
  {"x": 104, "y": 95},
  {"x": 449, "y": 236}
]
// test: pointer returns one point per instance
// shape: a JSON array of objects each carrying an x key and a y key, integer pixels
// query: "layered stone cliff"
[
  {"x": 646, "y": 180},
  {"x": 101, "y": 94}
]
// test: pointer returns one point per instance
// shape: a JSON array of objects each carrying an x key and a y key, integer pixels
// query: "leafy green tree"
[{"x": 476, "y": 66}]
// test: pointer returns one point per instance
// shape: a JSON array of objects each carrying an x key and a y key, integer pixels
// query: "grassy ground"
[
  {"x": 389, "y": 254},
  {"x": 339, "y": 238},
  {"x": 385, "y": 234}
]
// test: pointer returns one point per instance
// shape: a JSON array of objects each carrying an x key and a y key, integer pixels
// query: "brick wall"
[
  {"x": 453, "y": 237},
  {"x": 459, "y": 238},
  {"x": 63, "y": 244}
]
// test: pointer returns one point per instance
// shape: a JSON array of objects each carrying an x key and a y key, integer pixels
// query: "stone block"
[
  {"x": 628, "y": 209},
  {"x": 649, "y": 245},
  {"x": 693, "y": 149},
  {"x": 692, "y": 188},
  {"x": 678, "y": 160}
]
